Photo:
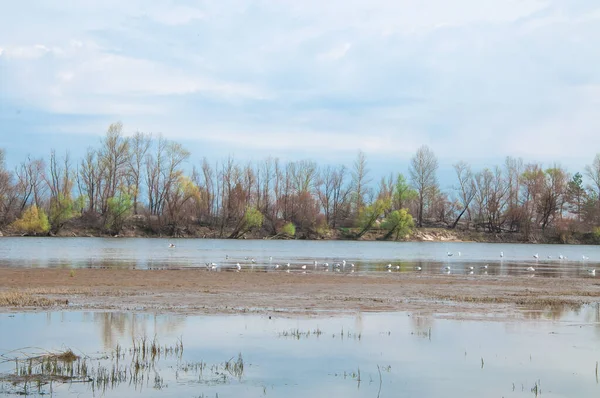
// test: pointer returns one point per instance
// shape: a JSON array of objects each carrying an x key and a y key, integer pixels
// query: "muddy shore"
[{"x": 198, "y": 291}]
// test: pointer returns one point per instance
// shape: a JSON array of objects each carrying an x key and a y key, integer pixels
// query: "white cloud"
[{"x": 381, "y": 75}]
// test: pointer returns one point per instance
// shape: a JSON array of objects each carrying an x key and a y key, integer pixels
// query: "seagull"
[
  {"x": 171, "y": 245},
  {"x": 484, "y": 266},
  {"x": 270, "y": 258},
  {"x": 530, "y": 269},
  {"x": 417, "y": 268},
  {"x": 326, "y": 264},
  {"x": 583, "y": 257},
  {"x": 253, "y": 261},
  {"x": 447, "y": 268},
  {"x": 276, "y": 266},
  {"x": 470, "y": 268},
  {"x": 343, "y": 263},
  {"x": 458, "y": 254},
  {"x": 304, "y": 266},
  {"x": 560, "y": 257},
  {"x": 352, "y": 265},
  {"x": 238, "y": 266},
  {"x": 449, "y": 254},
  {"x": 288, "y": 265},
  {"x": 213, "y": 266},
  {"x": 592, "y": 271},
  {"x": 549, "y": 257},
  {"x": 389, "y": 266},
  {"x": 501, "y": 254},
  {"x": 536, "y": 256},
  {"x": 316, "y": 263},
  {"x": 397, "y": 267}
]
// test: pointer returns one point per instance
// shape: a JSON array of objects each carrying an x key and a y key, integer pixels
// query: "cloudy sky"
[{"x": 473, "y": 79}]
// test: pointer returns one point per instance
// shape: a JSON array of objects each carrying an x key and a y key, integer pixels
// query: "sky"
[{"x": 475, "y": 80}]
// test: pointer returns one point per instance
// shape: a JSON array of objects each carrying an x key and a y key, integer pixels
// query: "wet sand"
[{"x": 198, "y": 291}]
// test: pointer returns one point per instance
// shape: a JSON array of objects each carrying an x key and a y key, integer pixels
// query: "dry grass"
[{"x": 25, "y": 299}]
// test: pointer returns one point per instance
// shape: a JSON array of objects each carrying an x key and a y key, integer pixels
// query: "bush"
[
  {"x": 32, "y": 221},
  {"x": 596, "y": 234},
  {"x": 289, "y": 229}
]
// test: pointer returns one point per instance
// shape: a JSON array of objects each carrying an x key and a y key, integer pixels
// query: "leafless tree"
[
  {"x": 466, "y": 189},
  {"x": 422, "y": 169}
]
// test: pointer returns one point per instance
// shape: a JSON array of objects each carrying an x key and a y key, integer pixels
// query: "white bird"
[
  {"x": 316, "y": 263},
  {"x": 484, "y": 266},
  {"x": 470, "y": 268},
  {"x": 536, "y": 256},
  {"x": 447, "y": 268},
  {"x": 343, "y": 263},
  {"x": 171, "y": 245},
  {"x": 352, "y": 265},
  {"x": 560, "y": 257},
  {"x": 458, "y": 254},
  {"x": 326, "y": 265},
  {"x": 389, "y": 266},
  {"x": 530, "y": 269},
  {"x": 417, "y": 268},
  {"x": 449, "y": 254},
  {"x": 304, "y": 266},
  {"x": 238, "y": 266},
  {"x": 253, "y": 261},
  {"x": 213, "y": 266},
  {"x": 397, "y": 267},
  {"x": 270, "y": 258},
  {"x": 276, "y": 266},
  {"x": 501, "y": 254},
  {"x": 592, "y": 271},
  {"x": 288, "y": 265},
  {"x": 549, "y": 257},
  {"x": 583, "y": 257}
]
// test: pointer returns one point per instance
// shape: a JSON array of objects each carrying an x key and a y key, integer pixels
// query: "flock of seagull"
[{"x": 339, "y": 266}]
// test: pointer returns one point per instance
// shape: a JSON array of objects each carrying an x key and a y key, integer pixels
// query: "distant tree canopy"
[{"x": 150, "y": 176}]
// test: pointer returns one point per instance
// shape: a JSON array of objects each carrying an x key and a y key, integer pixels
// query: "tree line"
[{"x": 143, "y": 177}]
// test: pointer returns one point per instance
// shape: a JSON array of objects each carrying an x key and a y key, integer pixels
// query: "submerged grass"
[{"x": 137, "y": 366}]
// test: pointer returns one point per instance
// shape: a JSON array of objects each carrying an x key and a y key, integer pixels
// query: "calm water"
[
  {"x": 417, "y": 356},
  {"x": 367, "y": 256}
]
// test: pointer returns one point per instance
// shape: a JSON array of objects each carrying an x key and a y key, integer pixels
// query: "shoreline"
[{"x": 200, "y": 292}]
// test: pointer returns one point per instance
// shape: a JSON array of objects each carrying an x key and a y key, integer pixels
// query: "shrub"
[{"x": 32, "y": 221}]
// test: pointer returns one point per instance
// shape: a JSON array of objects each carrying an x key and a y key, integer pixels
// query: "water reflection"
[{"x": 418, "y": 354}]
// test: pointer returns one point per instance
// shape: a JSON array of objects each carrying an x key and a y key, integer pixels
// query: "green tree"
[
  {"x": 118, "y": 209},
  {"x": 33, "y": 221},
  {"x": 61, "y": 210},
  {"x": 403, "y": 193},
  {"x": 576, "y": 195},
  {"x": 398, "y": 223},
  {"x": 252, "y": 219},
  {"x": 369, "y": 215}
]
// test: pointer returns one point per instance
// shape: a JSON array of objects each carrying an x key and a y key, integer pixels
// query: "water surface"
[
  {"x": 417, "y": 355},
  {"x": 265, "y": 255}
]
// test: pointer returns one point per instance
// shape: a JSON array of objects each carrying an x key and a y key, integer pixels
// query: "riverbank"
[
  {"x": 138, "y": 228},
  {"x": 198, "y": 291}
]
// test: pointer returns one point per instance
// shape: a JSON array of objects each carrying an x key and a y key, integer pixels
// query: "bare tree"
[
  {"x": 139, "y": 145},
  {"x": 423, "y": 168},
  {"x": 466, "y": 189},
  {"x": 114, "y": 157},
  {"x": 360, "y": 181}
]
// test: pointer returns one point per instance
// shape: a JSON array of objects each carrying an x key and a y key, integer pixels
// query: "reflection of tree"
[
  {"x": 117, "y": 325},
  {"x": 421, "y": 323},
  {"x": 549, "y": 312},
  {"x": 592, "y": 315}
]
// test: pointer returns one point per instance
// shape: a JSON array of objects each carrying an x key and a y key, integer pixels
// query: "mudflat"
[{"x": 199, "y": 291}]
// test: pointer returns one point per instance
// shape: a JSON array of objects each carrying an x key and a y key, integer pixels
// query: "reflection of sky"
[
  {"x": 368, "y": 256},
  {"x": 561, "y": 354}
]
